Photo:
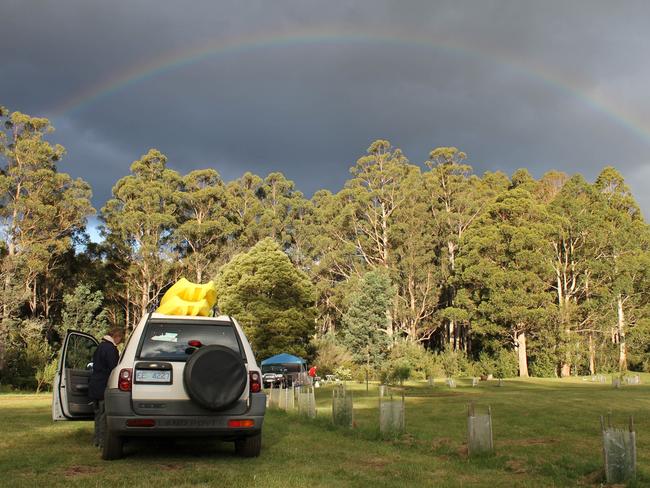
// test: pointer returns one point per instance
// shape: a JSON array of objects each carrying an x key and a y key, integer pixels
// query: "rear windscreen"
[{"x": 171, "y": 342}]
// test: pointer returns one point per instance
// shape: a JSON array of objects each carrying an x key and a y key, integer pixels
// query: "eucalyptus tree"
[
  {"x": 139, "y": 223},
  {"x": 505, "y": 267},
  {"x": 41, "y": 212},
  {"x": 373, "y": 194},
  {"x": 244, "y": 194},
  {"x": 456, "y": 200},
  {"x": 415, "y": 266},
  {"x": 281, "y": 204},
  {"x": 575, "y": 248},
  {"x": 334, "y": 263},
  {"x": 379, "y": 187},
  {"x": 207, "y": 221},
  {"x": 624, "y": 246}
]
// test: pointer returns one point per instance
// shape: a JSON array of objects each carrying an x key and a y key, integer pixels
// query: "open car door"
[{"x": 70, "y": 392}]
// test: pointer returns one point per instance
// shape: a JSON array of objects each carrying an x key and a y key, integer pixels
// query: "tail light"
[
  {"x": 125, "y": 379},
  {"x": 235, "y": 423},
  {"x": 255, "y": 381}
]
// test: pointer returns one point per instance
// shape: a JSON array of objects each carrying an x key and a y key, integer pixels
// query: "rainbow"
[{"x": 174, "y": 60}]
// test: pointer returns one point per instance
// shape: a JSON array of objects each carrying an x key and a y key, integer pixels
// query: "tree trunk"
[
  {"x": 144, "y": 299},
  {"x": 33, "y": 300},
  {"x": 521, "y": 352},
  {"x": 622, "y": 347},
  {"x": 46, "y": 298},
  {"x": 566, "y": 369},
  {"x": 592, "y": 354},
  {"x": 127, "y": 317},
  {"x": 452, "y": 335},
  {"x": 3, "y": 341}
]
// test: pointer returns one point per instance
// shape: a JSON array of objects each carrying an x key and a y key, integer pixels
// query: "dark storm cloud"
[{"x": 516, "y": 95}]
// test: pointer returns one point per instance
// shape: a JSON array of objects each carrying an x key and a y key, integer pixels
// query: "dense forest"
[{"x": 416, "y": 265}]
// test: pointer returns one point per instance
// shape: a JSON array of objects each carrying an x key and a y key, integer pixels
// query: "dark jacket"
[{"x": 104, "y": 361}]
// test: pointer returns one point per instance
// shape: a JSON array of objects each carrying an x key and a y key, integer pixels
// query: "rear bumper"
[{"x": 119, "y": 411}]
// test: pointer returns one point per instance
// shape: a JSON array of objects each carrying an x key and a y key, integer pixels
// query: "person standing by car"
[{"x": 104, "y": 361}]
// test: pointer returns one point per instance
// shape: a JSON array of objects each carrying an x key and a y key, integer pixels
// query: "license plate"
[{"x": 152, "y": 376}]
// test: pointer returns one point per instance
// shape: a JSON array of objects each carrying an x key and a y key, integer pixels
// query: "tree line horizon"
[{"x": 552, "y": 271}]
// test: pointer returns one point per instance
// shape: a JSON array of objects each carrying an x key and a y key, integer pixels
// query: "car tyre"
[
  {"x": 249, "y": 446},
  {"x": 112, "y": 448}
]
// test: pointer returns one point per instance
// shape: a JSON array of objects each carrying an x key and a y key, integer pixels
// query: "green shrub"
[
  {"x": 396, "y": 371},
  {"x": 485, "y": 364},
  {"x": 27, "y": 352},
  {"x": 45, "y": 375},
  {"x": 412, "y": 354},
  {"x": 343, "y": 373},
  {"x": 331, "y": 354},
  {"x": 543, "y": 364},
  {"x": 506, "y": 364},
  {"x": 450, "y": 362}
]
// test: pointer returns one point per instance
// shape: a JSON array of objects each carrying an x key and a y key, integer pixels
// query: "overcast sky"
[{"x": 304, "y": 86}]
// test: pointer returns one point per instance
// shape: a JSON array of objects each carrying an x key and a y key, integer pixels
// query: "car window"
[
  {"x": 171, "y": 341},
  {"x": 79, "y": 351}
]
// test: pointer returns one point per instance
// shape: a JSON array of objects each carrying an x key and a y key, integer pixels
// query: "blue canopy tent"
[
  {"x": 283, "y": 358},
  {"x": 292, "y": 367}
]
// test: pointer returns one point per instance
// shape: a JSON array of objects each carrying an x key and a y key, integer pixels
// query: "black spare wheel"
[{"x": 215, "y": 377}]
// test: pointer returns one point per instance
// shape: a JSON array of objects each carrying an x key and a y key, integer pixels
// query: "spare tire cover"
[{"x": 215, "y": 377}]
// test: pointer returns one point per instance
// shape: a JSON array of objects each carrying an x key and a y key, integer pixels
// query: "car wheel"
[
  {"x": 112, "y": 448},
  {"x": 249, "y": 446}
]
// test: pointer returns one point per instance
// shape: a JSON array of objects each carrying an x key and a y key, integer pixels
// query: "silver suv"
[{"x": 177, "y": 376}]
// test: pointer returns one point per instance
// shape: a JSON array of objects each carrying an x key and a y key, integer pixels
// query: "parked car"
[
  {"x": 177, "y": 376},
  {"x": 273, "y": 380}
]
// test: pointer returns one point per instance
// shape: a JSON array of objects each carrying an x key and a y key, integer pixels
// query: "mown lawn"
[{"x": 547, "y": 433}]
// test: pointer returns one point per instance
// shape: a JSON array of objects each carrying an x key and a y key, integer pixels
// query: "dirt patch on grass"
[
  {"x": 171, "y": 467},
  {"x": 463, "y": 452},
  {"x": 407, "y": 440},
  {"x": 441, "y": 442},
  {"x": 527, "y": 442},
  {"x": 73, "y": 471},
  {"x": 595, "y": 478},
  {"x": 517, "y": 466},
  {"x": 375, "y": 463}
]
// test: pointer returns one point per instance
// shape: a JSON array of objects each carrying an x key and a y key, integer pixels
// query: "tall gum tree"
[
  {"x": 574, "y": 244},
  {"x": 372, "y": 196},
  {"x": 415, "y": 265},
  {"x": 206, "y": 222},
  {"x": 504, "y": 265},
  {"x": 41, "y": 212},
  {"x": 327, "y": 237},
  {"x": 139, "y": 222},
  {"x": 456, "y": 199},
  {"x": 625, "y": 242}
]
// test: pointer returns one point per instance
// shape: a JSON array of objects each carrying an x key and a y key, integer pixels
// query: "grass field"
[{"x": 546, "y": 433}]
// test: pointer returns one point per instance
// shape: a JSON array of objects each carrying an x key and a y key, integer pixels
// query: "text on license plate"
[{"x": 152, "y": 376}]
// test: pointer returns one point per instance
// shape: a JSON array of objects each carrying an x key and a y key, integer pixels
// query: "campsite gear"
[{"x": 187, "y": 298}]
